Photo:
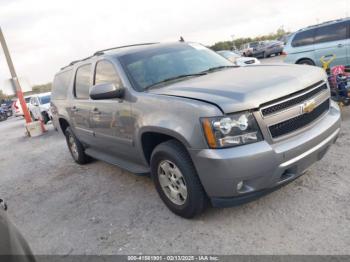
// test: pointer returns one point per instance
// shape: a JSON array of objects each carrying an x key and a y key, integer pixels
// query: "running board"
[{"x": 129, "y": 166}]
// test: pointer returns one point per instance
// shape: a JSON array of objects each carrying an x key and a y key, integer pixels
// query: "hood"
[{"x": 244, "y": 88}]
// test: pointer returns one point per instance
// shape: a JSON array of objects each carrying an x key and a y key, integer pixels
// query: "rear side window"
[
  {"x": 106, "y": 73},
  {"x": 61, "y": 84},
  {"x": 330, "y": 33},
  {"x": 82, "y": 82},
  {"x": 304, "y": 38}
]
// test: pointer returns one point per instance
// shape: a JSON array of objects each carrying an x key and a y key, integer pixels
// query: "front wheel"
[{"x": 176, "y": 180}]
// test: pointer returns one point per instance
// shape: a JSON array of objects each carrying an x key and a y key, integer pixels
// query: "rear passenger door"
[
  {"x": 81, "y": 105},
  {"x": 332, "y": 39},
  {"x": 111, "y": 119}
]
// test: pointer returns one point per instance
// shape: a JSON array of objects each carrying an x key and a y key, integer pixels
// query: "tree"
[
  {"x": 42, "y": 88},
  {"x": 3, "y": 96}
]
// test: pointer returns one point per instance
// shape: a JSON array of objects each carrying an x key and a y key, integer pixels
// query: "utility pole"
[{"x": 14, "y": 79}]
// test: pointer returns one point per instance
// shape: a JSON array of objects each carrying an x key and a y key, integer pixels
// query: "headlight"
[{"x": 231, "y": 130}]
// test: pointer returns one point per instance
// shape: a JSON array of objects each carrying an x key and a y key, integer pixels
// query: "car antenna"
[{"x": 181, "y": 39}]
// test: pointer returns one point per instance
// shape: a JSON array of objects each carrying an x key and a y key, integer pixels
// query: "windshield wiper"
[
  {"x": 218, "y": 68},
  {"x": 175, "y": 78}
]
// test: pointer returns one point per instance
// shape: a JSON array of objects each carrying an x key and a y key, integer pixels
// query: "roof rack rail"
[
  {"x": 76, "y": 61},
  {"x": 101, "y": 52},
  {"x": 324, "y": 23}
]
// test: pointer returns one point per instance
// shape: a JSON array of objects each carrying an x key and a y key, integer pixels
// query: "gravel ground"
[{"x": 64, "y": 208}]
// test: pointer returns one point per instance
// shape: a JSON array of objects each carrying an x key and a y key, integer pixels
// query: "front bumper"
[{"x": 261, "y": 166}]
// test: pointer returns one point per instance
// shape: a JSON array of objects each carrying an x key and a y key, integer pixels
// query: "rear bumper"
[{"x": 261, "y": 166}]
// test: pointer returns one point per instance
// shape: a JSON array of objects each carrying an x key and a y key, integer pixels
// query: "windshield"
[
  {"x": 45, "y": 99},
  {"x": 149, "y": 67},
  {"x": 27, "y": 99}
]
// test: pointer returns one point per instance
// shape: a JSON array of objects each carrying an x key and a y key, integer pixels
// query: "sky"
[{"x": 44, "y": 35}]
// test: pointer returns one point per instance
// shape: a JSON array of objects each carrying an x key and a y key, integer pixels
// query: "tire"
[
  {"x": 306, "y": 62},
  {"x": 45, "y": 117},
  {"x": 76, "y": 148},
  {"x": 188, "y": 203}
]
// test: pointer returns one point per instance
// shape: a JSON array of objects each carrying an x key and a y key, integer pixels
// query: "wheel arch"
[
  {"x": 151, "y": 137},
  {"x": 305, "y": 58},
  {"x": 63, "y": 123}
]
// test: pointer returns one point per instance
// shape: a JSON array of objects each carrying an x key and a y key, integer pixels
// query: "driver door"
[{"x": 111, "y": 119}]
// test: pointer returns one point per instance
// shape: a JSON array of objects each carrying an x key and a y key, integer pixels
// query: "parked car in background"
[
  {"x": 237, "y": 59},
  {"x": 205, "y": 129},
  {"x": 250, "y": 49},
  {"x": 268, "y": 48},
  {"x": 7, "y": 107},
  {"x": 17, "y": 108},
  {"x": 3, "y": 114},
  {"x": 308, "y": 45},
  {"x": 39, "y": 107}
]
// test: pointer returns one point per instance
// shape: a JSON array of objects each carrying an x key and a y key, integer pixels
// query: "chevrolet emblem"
[{"x": 309, "y": 106}]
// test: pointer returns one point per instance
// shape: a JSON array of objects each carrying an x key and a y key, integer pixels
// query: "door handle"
[
  {"x": 95, "y": 111},
  {"x": 340, "y": 45},
  {"x": 74, "y": 109}
]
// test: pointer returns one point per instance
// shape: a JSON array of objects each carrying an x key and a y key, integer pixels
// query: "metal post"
[{"x": 15, "y": 81}]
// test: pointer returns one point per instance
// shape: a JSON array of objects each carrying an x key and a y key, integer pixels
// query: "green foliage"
[
  {"x": 239, "y": 42},
  {"x": 42, "y": 88},
  {"x": 3, "y": 96}
]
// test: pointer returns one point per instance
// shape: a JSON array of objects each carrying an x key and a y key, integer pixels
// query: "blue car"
[{"x": 308, "y": 45}]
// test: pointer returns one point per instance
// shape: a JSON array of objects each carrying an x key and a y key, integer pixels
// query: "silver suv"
[{"x": 205, "y": 130}]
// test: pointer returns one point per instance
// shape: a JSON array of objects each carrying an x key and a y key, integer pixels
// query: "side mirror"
[{"x": 106, "y": 91}]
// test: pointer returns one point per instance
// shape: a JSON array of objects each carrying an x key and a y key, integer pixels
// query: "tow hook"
[{"x": 3, "y": 205}]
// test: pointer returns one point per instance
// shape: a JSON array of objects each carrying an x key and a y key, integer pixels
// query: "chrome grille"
[
  {"x": 295, "y": 123},
  {"x": 289, "y": 114},
  {"x": 296, "y": 100}
]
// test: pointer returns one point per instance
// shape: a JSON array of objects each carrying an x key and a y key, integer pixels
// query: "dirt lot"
[{"x": 63, "y": 208}]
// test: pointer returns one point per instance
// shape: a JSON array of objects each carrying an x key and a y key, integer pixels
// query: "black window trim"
[
  {"x": 303, "y": 31},
  {"x": 347, "y": 23},
  {"x": 75, "y": 78}
]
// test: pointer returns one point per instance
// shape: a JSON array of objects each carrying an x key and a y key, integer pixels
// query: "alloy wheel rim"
[{"x": 172, "y": 182}]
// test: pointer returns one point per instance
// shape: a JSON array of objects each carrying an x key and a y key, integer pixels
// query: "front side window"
[
  {"x": 106, "y": 73},
  {"x": 82, "y": 82},
  {"x": 304, "y": 38},
  {"x": 330, "y": 33},
  {"x": 151, "y": 66}
]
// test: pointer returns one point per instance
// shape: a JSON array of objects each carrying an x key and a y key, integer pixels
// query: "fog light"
[{"x": 239, "y": 185}]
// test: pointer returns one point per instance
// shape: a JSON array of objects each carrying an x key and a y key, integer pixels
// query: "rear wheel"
[
  {"x": 176, "y": 180},
  {"x": 76, "y": 148},
  {"x": 305, "y": 62}
]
